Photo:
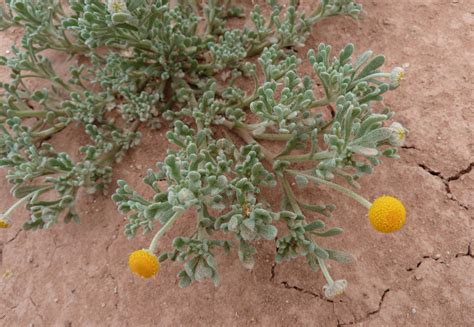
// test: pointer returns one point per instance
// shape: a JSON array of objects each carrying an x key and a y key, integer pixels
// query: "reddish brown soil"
[{"x": 77, "y": 275}]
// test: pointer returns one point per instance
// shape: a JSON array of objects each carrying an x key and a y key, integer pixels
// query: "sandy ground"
[{"x": 77, "y": 275}]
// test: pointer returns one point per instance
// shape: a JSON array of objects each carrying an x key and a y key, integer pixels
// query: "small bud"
[
  {"x": 185, "y": 195},
  {"x": 397, "y": 75},
  {"x": 337, "y": 288},
  {"x": 117, "y": 6},
  {"x": 273, "y": 39},
  {"x": 399, "y": 134}
]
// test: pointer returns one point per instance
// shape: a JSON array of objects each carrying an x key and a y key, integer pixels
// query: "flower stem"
[
  {"x": 307, "y": 157},
  {"x": 17, "y": 204},
  {"x": 48, "y": 132},
  {"x": 32, "y": 113},
  {"x": 163, "y": 230},
  {"x": 290, "y": 195},
  {"x": 273, "y": 137},
  {"x": 245, "y": 135},
  {"x": 23, "y": 200},
  {"x": 320, "y": 103},
  {"x": 336, "y": 187},
  {"x": 325, "y": 271}
]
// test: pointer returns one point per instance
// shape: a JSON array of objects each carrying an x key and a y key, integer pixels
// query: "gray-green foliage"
[{"x": 147, "y": 63}]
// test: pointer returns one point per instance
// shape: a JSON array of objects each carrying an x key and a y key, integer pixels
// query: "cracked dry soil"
[{"x": 77, "y": 275}]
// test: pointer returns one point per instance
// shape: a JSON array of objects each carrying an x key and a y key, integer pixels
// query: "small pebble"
[
  {"x": 103, "y": 305},
  {"x": 418, "y": 277},
  {"x": 56, "y": 300},
  {"x": 437, "y": 256},
  {"x": 413, "y": 311}
]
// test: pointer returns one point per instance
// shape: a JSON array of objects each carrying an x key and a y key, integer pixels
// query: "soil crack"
[
  {"x": 468, "y": 253},
  {"x": 14, "y": 237},
  {"x": 410, "y": 147},
  {"x": 425, "y": 257},
  {"x": 2, "y": 245},
  {"x": 465, "y": 171},
  {"x": 437, "y": 257},
  {"x": 369, "y": 314},
  {"x": 302, "y": 290},
  {"x": 114, "y": 237},
  {"x": 446, "y": 181},
  {"x": 109, "y": 272}
]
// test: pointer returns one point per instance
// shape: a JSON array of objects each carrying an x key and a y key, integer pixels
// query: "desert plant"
[{"x": 154, "y": 64}]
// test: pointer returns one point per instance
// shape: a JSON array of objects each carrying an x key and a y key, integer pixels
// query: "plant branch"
[{"x": 334, "y": 186}]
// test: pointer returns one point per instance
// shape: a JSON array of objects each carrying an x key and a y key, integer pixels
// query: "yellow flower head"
[
  {"x": 144, "y": 263},
  {"x": 4, "y": 224},
  {"x": 4, "y": 221},
  {"x": 387, "y": 214}
]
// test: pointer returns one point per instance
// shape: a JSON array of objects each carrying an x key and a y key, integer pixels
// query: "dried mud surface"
[{"x": 77, "y": 275}]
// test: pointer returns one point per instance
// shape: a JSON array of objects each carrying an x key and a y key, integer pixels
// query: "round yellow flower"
[
  {"x": 143, "y": 263},
  {"x": 4, "y": 224},
  {"x": 387, "y": 214}
]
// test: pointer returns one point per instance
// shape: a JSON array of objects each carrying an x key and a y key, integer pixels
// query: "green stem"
[
  {"x": 307, "y": 157},
  {"x": 194, "y": 6},
  {"x": 17, "y": 204},
  {"x": 336, "y": 187},
  {"x": 200, "y": 213},
  {"x": 273, "y": 137},
  {"x": 210, "y": 18},
  {"x": 291, "y": 196},
  {"x": 313, "y": 19},
  {"x": 23, "y": 200},
  {"x": 49, "y": 131},
  {"x": 245, "y": 135},
  {"x": 375, "y": 75},
  {"x": 325, "y": 271},
  {"x": 110, "y": 156},
  {"x": 32, "y": 113},
  {"x": 163, "y": 230},
  {"x": 320, "y": 103}
]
